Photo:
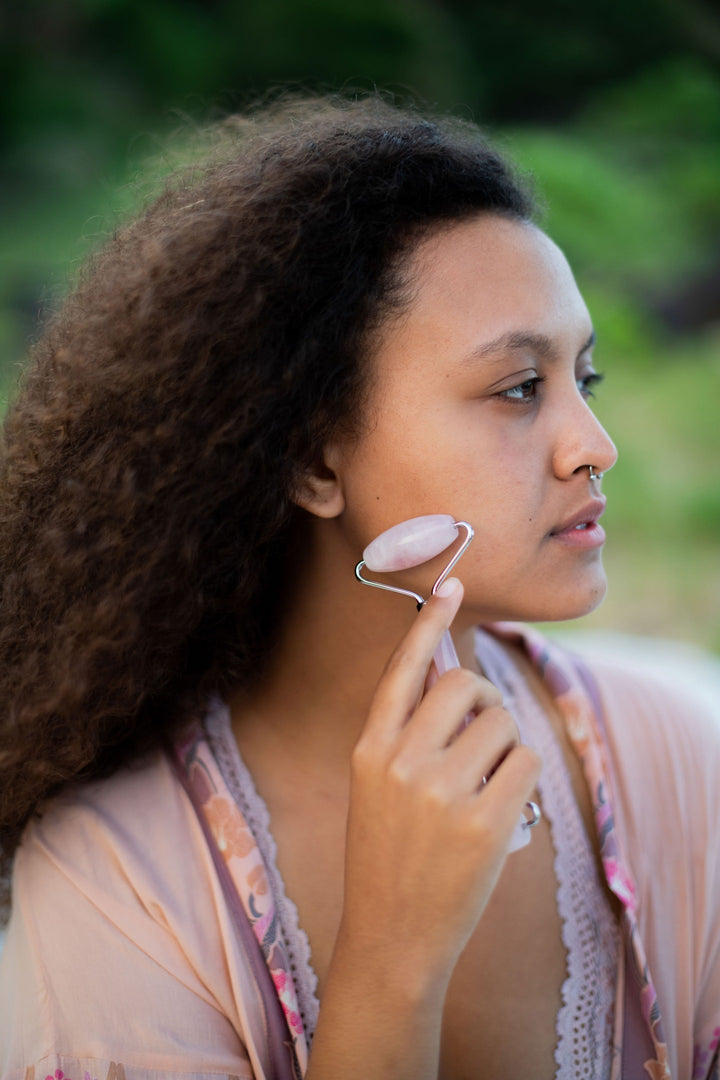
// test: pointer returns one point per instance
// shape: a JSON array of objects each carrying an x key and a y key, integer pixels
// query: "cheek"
[
  {"x": 393, "y": 470},
  {"x": 432, "y": 460},
  {"x": 383, "y": 485},
  {"x": 496, "y": 488}
]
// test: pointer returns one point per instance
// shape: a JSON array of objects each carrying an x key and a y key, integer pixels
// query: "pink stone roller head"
[{"x": 412, "y": 543}]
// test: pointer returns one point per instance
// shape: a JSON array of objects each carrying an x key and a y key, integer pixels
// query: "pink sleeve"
[
  {"x": 665, "y": 751},
  {"x": 115, "y": 966}
]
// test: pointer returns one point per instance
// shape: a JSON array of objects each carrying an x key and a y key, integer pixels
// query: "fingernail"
[{"x": 448, "y": 587}]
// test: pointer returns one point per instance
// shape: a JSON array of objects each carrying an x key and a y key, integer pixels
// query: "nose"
[{"x": 583, "y": 441}]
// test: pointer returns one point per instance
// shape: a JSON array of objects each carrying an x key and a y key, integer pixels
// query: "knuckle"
[
  {"x": 499, "y": 716},
  {"x": 481, "y": 830},
  {"x": 462, "y": 679},
  {"x": 399, "y": 773},
  {"x": 363, "y": 756},
  {"x": 486, "y": 693},
  {"x": 529, "y": 759},
  {"x": 437, "y": 795},
  {"x": 491, "y": 694}
]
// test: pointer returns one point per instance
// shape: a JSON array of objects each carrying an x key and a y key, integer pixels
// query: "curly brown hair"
[{"x": 149, "y": 456}]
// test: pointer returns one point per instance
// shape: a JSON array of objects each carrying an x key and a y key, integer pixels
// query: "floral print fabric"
[
  {"x": 236, "y": 844},
  {"x": 75, "y": 1069},
  {"x": 114, "y": 1071}
]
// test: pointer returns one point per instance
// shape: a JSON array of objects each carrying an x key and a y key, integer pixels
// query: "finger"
[
  {"x": 444, "y": 707},
  {"x": 402, "y": 682},
  {"x": 499, "y": 803},
  {"x": 479, "y": 750}
]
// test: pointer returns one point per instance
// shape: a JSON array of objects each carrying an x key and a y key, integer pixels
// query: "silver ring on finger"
[{"x": 536, "y": 814}]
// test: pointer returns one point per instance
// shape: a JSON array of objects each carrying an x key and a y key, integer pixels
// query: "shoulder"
[
  {"x": 662, "y": 744},
  {"x": 120, "y": 857},
  {"x": 662, "y": 725},
  {"x": 122, "y": 834},
  {"x": 660, "y": 698},
  {"x": 659, "y": 714},
  {"x": 128, "y": 855},
  {"x": 116, "y": 936}
]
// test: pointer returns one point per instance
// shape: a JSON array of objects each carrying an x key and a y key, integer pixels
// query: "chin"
[
  {"x": 571, "y": 607},
  {"x": 559, "y": 606}
]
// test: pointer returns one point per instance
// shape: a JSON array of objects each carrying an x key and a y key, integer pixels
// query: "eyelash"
[{"x": 594, "y": 379}]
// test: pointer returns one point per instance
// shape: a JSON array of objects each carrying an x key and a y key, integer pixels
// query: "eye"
[
  {"x": 523, "y": 392},
  {"x": 586, "y": 383}
]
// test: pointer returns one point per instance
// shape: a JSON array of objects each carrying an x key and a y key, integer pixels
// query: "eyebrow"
[{"x": 523, "y": 339}]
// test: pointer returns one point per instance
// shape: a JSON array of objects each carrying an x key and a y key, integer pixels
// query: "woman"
[{"x": 213, "y": 736}]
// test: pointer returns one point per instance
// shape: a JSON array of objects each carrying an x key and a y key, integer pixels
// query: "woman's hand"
[{"x": 426, "y": 842}]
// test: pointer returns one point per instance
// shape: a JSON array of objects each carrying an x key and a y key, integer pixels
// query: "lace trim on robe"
[
  {"x": 242, "y": 788},
  {"x": 590, "y": 932}
]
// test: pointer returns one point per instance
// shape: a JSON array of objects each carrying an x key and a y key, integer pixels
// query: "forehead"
[{"x": 478, "y": 280}]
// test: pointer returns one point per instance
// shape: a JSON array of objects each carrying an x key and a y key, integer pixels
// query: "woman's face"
[{"x": 479, "y": 408}]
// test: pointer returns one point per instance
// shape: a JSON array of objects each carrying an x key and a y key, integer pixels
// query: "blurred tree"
[
  {"x": 544, "y": 62},
  {"x": 632, "y": 92}
]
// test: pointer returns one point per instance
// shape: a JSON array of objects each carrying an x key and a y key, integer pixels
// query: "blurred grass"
[{"x": 663, "y": 518}]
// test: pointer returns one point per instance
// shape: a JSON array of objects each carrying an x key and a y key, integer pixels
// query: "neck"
[{"x": 335, "y": 640}]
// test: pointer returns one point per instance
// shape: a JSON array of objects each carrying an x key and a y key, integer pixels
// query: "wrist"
[
  {"x": 379, "y": 1016},
  {"x": 392, "y": 971}
]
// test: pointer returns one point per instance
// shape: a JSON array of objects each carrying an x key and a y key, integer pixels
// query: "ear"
[{"x": 318, "y": 489}]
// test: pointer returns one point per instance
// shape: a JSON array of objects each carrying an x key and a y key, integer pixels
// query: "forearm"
[
  {"x": 416, "y": 815},
  {"x": 377, "y": 1019}
]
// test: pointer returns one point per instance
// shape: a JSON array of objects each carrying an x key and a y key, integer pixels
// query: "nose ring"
[{"x": 595, "y": 475}]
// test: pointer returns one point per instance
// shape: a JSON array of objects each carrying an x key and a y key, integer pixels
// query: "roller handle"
[{"x": 445, "y": 657}]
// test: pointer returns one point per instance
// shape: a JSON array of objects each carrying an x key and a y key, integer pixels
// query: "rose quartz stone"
[{"x": 410, "y": 543}]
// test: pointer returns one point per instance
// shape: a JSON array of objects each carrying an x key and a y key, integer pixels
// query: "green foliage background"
[{"x": 615, "y": 108}]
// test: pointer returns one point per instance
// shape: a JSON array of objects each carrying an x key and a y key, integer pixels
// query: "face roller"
[{"x": 412, "y": 543}]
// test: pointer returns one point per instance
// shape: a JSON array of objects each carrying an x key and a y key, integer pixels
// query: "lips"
[{"x": 587, "y": 516}]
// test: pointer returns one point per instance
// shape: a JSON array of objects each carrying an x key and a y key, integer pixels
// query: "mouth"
[
  {"x": 582, "y": 529},
  {"x": 585, "y": 519}
]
